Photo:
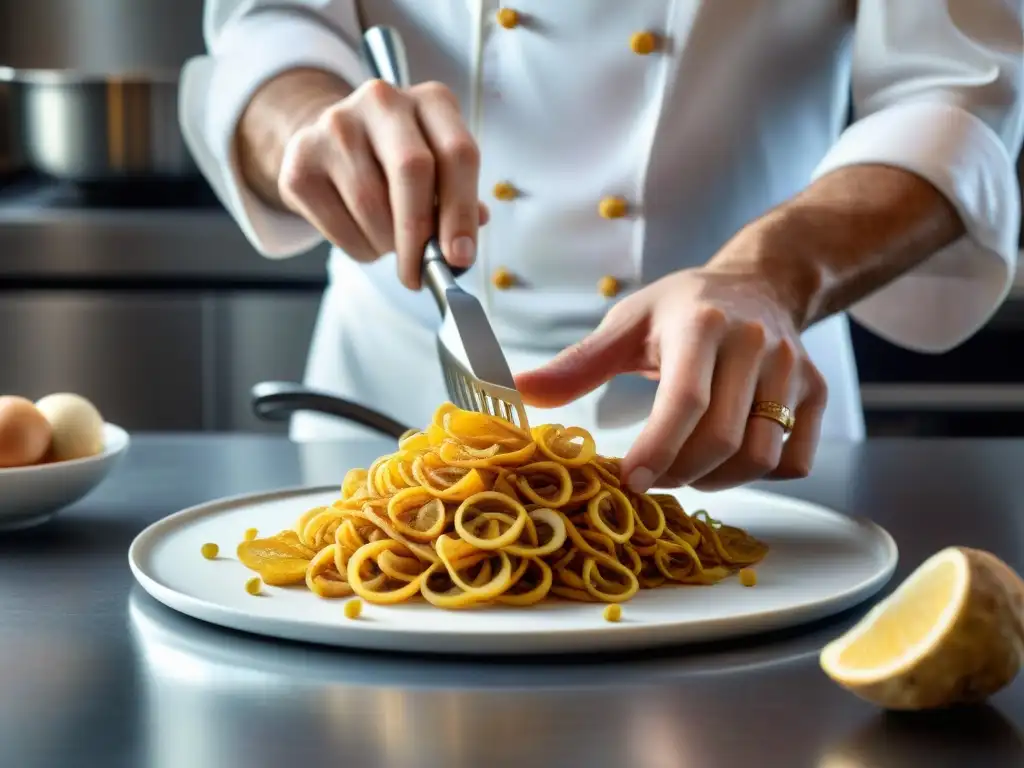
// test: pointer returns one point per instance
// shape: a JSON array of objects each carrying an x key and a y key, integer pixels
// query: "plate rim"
[{"x": 617, "y": 635}]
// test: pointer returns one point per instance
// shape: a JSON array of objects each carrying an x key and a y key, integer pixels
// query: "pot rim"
[{"x": 72, "y": 77}]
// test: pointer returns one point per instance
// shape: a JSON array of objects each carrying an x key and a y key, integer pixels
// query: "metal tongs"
[{"x": 476, "y": 373}]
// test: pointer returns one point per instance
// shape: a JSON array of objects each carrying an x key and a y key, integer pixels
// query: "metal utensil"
[
  {"x": 476, "y": 373},
  {"x": 278, "y": 400}
]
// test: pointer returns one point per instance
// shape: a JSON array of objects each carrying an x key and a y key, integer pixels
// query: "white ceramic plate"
[
  {"x": 820, "y": 563},
  {"x": 32, "y": 495}
]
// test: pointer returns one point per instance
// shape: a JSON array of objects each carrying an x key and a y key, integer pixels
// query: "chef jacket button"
[
  {"x": 608, "y": 287},
  {"x": 613, "y": 208},
  {"x": 505, "y": 192},
  {"x": 502, "y": 279},
  {"x": 643, "y": 43},
  {"x": 508, "y": 18}
]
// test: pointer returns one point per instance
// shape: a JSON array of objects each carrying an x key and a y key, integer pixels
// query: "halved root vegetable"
[{"x": 952, "y": 633}]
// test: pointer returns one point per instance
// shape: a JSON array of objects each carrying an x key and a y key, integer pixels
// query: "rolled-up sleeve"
[
  {"x": 250, "y": 42},
  {"x": 937, "y": 92}
]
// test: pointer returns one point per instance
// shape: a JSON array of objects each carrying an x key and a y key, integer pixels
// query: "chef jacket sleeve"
[
  {"x": 937, "y": 91},
  {"x": 248, "y": 43}
]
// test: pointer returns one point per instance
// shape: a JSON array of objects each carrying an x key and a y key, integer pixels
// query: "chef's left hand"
[{"x": 717, "y": 339}]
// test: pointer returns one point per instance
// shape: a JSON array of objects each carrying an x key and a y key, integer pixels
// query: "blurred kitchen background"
[{"x": 123, "y": 279}]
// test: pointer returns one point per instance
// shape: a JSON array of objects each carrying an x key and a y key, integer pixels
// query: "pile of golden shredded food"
[{"x": 475, "y": 510}]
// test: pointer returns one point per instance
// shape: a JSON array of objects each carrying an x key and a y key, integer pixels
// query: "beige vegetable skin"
[{"x": 977, "y": 652}]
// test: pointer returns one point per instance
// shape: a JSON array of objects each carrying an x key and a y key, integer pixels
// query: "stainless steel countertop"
[{"x": 94, "y": 673}]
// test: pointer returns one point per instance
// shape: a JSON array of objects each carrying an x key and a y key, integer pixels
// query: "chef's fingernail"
[
  {"x": 463, "y": 252},
  {"x": 640, "y": 480}
]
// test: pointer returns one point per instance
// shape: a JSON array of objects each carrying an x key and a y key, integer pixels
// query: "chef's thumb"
[{"x": 610, "y": 350}]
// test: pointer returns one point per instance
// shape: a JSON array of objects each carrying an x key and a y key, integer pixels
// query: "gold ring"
[{"x": 777, "y": 412}]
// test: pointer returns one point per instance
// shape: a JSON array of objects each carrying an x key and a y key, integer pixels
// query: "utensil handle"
[
  {"x": 277, "y": 400},
  {"x": 385, "y": 55}
]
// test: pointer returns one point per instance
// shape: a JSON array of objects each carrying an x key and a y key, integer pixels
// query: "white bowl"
[{"x": 32, "y": 495}]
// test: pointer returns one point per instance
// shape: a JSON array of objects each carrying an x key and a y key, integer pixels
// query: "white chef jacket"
[{"x": 741, "y": 105}]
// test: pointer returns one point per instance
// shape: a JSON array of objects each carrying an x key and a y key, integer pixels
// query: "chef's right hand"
[{"x": 383, "y": 170}]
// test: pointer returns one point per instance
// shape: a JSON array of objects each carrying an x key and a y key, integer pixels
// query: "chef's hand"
[
  {"x": 382, "y": 169},
  {"x": 717, "y": 340}
]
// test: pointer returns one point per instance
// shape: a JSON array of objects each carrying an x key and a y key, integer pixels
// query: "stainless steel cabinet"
[
  {"x": 257, "y": 336},
  {"x": 162, "y": 361},
  {"x": 137, "y": 355},
  {"x": 100, "y": 36},
  {"x": 974, "y": 390}
]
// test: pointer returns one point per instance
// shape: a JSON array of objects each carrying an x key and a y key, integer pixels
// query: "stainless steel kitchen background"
[
  {"x": 123, "y": 279},
  {"x": 133, "y": 288}
]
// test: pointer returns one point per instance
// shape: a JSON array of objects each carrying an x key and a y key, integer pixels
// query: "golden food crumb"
[
  {"x": 505, "y": 191},
  {"x": 643, "y": 43},
  {"x": 253, "y": 585},
  {"x": 503, "y": 279},
  {"x": 210, "y": 550},
  {"x": 608, "y": 286},
  {"x": 612, "y": 208},
  {"x": 748, "y": 577},
  {"x": 612, "y": 612},
  {"x": 251, "y": 534},
  {"x": 353, "y": 608},
  {"x": 508, "y": 18}
]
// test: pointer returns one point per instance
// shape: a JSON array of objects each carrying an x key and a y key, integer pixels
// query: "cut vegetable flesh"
[{"x": 907, "y": 623}]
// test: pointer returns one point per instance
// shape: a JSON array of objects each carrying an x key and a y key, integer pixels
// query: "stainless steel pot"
[{"x": 92, "y": 128}]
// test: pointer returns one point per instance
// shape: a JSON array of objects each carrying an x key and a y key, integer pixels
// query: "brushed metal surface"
[
  {"x": 157, "y": 360},
  {"x": 166, "y": 317},
  {"x": 40, "y": 242},
  {"x": 138, "y": 356},
  {"x": 97, "y": 674},
  {"x": 91, "y": 130},
  {"x": 97, "y": 93},
  {"x": 101, "y": 37},
  {"x": 257, "y": 336}
]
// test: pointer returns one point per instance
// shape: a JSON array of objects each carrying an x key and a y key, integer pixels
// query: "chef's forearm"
[
  {"x": 277, "y": 110},
  {"x": 849, "y": 233}
]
